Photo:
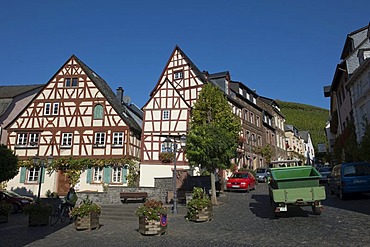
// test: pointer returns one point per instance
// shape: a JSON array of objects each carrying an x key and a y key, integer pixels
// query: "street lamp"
[
  {"x": 168, "y": 144},
  {"x": 41, "y": 163}
]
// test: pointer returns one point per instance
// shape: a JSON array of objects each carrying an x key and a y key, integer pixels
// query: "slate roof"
[
  {"x": 104, "y": 88},
  {"x": 8, "y": 93}
]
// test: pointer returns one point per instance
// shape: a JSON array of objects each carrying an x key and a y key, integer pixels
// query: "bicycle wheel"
[
  {"x": 55, "y": 216},
  {"x": 64, "y": 215}
]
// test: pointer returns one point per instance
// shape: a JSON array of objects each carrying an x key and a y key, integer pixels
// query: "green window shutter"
[
  {"x": 124, "y": 174},
  {"x": 23, "y": 174},
  {"x": 107, "y": 174},
  {"x": 43, "y": 175},
  {"x": 88, "y": 175}
]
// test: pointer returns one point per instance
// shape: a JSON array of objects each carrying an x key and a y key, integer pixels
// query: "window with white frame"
[
  {"x": 99, "y": 138},
  {"x": 47, "y": 108},
  {"x": 33, "y": 175},
  {"x": 166, "y": 114},
  {"x": 116, "y": 174},
  {"x": 97, "y": 174},
  {"x": 166, "y": 150},
  {"x": 178, "y": 75},
  {"x": 55, "y": 108},
  {"x": 118, "y": 139},
  {"x": 34, "y": 139},
  {"x": 22, "y": 139},
  {"x": 67, "y": 139}
]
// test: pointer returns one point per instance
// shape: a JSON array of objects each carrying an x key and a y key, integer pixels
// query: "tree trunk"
[{"x": 213, "y": 187}]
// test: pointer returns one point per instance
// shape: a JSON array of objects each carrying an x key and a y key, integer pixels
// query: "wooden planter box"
[
  {"x": 38, "y": 219},
  {"x": 89, "y": 222},
  {"x": 203, "y": 215},
  {"x": 4, "y": 218},
  {"x": 153, "y": 227}
]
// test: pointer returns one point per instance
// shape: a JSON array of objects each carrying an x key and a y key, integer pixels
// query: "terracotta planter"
[
  {"x": 153, "y": 227},
  {"x": 87, "y": 222},
  {"x": 4, "y": 218},
  {"x": 206, "y": 214},
  {"x": 38, "y": 219}
]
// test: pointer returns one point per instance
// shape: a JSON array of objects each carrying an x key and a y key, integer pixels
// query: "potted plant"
[
  {"x": 5, "y": 210},
  {"x": 152, "y": 218},
  {"x": 87, "y": 215},
  {"x": 199, "y": 207},
  {"x": 38, "y": 213}
]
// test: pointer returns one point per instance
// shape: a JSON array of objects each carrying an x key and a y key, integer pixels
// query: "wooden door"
[{"x": 63, "y": 184}]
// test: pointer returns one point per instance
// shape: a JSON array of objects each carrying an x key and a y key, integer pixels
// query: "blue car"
[{"x": 349, "y": 178}]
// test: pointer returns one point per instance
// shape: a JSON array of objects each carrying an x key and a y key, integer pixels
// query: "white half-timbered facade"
[
  {"x": 76, "y": 114},
  {"x": 167, "y": 113}
]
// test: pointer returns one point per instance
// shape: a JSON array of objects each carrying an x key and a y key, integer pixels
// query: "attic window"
[
  {"x": 166, "y": 114},
  {"x": 71, "y": 82},
  {"x": 178, "y": 75}
]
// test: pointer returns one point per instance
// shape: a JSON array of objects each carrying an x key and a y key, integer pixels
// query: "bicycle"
[{"x": 61, "y": 213}]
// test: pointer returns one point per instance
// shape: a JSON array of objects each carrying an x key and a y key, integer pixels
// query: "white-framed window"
[
  {"x": 118, "y": 139},
  {"x": 47, "y": 108},
  {"x": 97, "y": 174},
  {"x": 55, "y": 108},
  {"x": 166, "y": 114},
  {"x": 166, "y": 150},
  {"x": 116, "y": 174},
  {"x": 178, "y": 75},
  {"x": 99, "y": 138},
  {"x": 22, "y": 139},
  {"x": 67, "y": 139},
  {"x": 33, "y": 175},
  {"x": 34, "y": 139}
]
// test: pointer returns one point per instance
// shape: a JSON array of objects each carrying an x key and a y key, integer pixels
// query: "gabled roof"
[
  {"x": 8, "y": 93},
  {"x": 351, "y": 40},
  {"x": 103, "y": 87},
  {"x": 188, "y": 61}
]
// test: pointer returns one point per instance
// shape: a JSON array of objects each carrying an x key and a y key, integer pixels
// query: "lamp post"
[
  {"x": 168, "y": 145},
  {"x": 39, "y": 162}
]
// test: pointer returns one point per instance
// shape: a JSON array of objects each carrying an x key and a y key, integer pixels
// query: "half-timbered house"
[
  {"x": 167, "y": 114},
  {"x": 77, "y": 115}
]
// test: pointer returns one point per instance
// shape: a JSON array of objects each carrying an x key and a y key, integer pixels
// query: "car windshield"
[
  {"x": 240, "y": 175},
  {"x": 261, "y": 170},
  {"x": 11, "y": 193}
]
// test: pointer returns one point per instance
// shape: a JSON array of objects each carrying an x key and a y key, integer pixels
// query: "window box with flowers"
[
  {"x": 166, "y": 157},
  {"x": 87, "y": 215},
  {"x": 152, "y": 218}
]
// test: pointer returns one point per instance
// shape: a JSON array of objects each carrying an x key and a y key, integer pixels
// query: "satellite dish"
[{"x": 126, "y": 99}]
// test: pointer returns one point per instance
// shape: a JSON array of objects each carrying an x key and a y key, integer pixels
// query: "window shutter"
[
  {"x": 43, "y": 175},
  {"x": 88, "y": 175},
  {"x": 107, "y": 174},
  {"x": 124, "y": 174},
  {"x": 23, "y": 174}
]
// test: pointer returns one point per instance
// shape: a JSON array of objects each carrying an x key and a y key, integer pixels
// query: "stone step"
[{"x": 125, "y": 212}]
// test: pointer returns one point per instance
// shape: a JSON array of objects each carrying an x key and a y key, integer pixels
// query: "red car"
[
  {"x": 18, "y": 201},
  {"x": 243, "y": 181}
]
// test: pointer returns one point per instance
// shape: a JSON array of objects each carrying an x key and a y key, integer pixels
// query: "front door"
[{"x": 63, "y": 184}]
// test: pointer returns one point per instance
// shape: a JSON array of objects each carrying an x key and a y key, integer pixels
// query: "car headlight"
[{"x": 242, "y": 183}]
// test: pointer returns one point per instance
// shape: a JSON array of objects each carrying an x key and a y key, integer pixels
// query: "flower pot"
[
  {"x": 205, "y": 214},
  {"x": 87, "y": 222},
  {"x": 36, "y": 219},
  {"x": 4, "y": 218},
  {"x": 153, "y": 227}
]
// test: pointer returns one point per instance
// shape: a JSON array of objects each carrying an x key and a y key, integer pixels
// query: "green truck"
[{"x": 298, "y": 186}]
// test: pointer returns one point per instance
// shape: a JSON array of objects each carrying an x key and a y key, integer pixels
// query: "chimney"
[{"x": 120, "y": 94}]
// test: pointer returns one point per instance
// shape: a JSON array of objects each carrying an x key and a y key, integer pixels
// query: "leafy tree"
[
  {"x": 8, "y": 164},
  {"x": 213, "y": 133},
  {"x": 365, "y": 144},
  {"x": 266, "y": 152}
]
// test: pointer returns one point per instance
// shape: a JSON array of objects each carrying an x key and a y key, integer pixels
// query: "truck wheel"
[{"x": 316, "y": 210}]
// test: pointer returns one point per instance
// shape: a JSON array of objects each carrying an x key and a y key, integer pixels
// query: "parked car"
[
  {"x": 350, "y": 178},
  {"x": 262, "y": 174},
  {"x": 325, "y": 172},
  {"x": 18, "y": 201},
  {"x": 241, "y": 181}
]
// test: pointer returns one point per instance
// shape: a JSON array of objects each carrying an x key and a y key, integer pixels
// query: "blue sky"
[{"x": 285, "y": 50}]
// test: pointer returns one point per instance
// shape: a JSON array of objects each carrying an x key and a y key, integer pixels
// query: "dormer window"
[{"x": 178, "y": 75}]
